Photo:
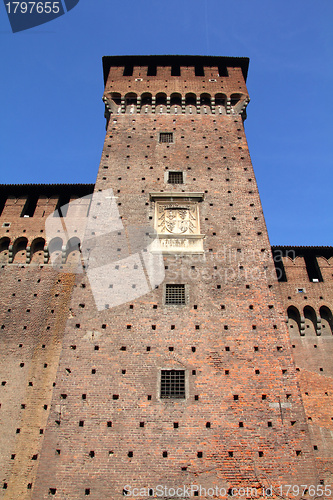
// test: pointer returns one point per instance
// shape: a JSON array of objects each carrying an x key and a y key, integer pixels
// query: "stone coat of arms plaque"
[{"x": 177, "y": 222}]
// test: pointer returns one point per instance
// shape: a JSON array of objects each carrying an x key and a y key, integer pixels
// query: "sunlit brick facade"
[{"x": 220, "y": 375}]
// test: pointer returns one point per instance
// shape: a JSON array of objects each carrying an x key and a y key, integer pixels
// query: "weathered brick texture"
[
  {"x": 245, "y": 419},
  {"x": 310, "y": 296}
]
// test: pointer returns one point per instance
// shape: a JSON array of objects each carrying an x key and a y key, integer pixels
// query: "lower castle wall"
[
  {"x": 34, "y": 309},
  {"x": 312, "y": 346}
]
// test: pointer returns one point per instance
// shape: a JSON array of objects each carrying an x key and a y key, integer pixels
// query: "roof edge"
[
  {"x": 287, "y": 247},
  {"x": 168, "y": 59}
]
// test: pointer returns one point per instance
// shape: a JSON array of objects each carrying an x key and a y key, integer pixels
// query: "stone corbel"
[
  {"x": 28, "y": 255},
  {"x": 63, "y": 254},
  {"x": 108, "y": 108},
  {"x": 168, "y": 104},
  {"x": 123, "y": 105},
  {"x": 46, "y": 255},
  {"x": 302, "y": 326},
  {"x": 183, "y": 105},
  {"x": 228, "y": 107},
  {"x": 213, "y": 105},
  {"x": 242, "y": 111},
  {"x": 198, "y": 105},
  {"x": 10, "y": 254},
  {"x": 138, "y": 105}
]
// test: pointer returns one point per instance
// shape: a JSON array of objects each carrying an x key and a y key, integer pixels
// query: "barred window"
[
  {"x": 175, "y": 294},
  {"x": 166, "y": 136},
  {"x": 175, "y": 178},
  {"x": 173, "y": 384}
]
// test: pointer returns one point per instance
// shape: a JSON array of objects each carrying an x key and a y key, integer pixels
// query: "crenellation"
[
  {"x": 163, "y": 72},
  {"x": 116, "y": 73},
  {"x": 211, "y": 72},
  {"x": 296, "y": 270},
  {"x": 326, "y": 268},
  {"x": 140, "y": 72},
  {"x": 307, "y": 294},
  {"x": 187, "y": 73}
]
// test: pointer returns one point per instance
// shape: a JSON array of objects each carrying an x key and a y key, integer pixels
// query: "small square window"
[
  {"x": 175, "y": 178},
  {"x": 175, "y": 294},
  {"x": 166, "y": 137},
  {"x": 173, "y": 384}
]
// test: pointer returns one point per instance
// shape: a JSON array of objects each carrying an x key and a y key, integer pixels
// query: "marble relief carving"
[
  {"x": 177, "y": 223},
  {"x": 176, "y": 218}
]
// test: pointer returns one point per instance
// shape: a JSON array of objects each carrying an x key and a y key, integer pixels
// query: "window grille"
[
  {"x": 175, "y": 294},
  {"x": 175, "y": 178},
  {"x": 166, "y": 137},
  {"x": 172, "y": 384}
]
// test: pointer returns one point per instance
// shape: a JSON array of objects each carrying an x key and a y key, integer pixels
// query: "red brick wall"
[
  {"x": 187, "y": 83},
  {"x": 231, "y": 336},
  {"x": 312, "y": 352},
  {"x": 231, "y": 344},
  {"x": 34, "y": 309}
]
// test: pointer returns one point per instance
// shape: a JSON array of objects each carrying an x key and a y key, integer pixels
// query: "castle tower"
[{"x": 175, "y": 366}]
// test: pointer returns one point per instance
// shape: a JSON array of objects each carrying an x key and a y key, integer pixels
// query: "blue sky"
[{"x": 52, "y": 124}]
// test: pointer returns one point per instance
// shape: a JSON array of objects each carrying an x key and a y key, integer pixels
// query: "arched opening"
[
  {"x": 234, "y": 99},
  {"x": 146, "y": 102},
  {"x": 294, "y": 320},
  {"x": 205, "y": 104},
  {"x": 161, "y": 103},
  {"x": 326, "y": 320},
  {"x": 37, "y": 250},
  {"x": 55, "y": 251},
  {"x": 19, "y": 250},
  {"x": 130, "y": 103},
  {"x": 175, "y": 104},
  {"x": 190, "y": 103},
  {"x": 310, "y": 321},
  {"x": 220, "y": 104},
  {"x": 4, "y": 244},
  {"x": 73, "y": 253},
  {"x": 238, "y": 104},
  {"x": 115, "y": 102}
]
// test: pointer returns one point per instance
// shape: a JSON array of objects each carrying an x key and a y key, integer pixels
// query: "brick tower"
[{"x": 188, "y": 377}]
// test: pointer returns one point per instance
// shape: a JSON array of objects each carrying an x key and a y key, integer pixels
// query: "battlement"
[
  {"x": 24, "y": 209},
  {"x": 302, "y": 264},
  {"x": 172, "y": 65},
  {"x": 175, "y": 85},
  {"x": 23, "y": 201},
  {"x": 305, "y": 276}
]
